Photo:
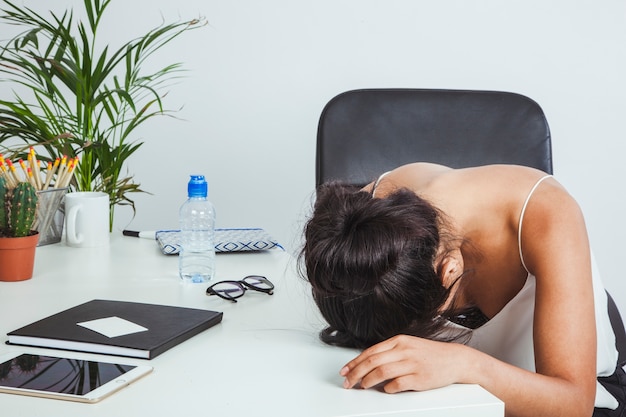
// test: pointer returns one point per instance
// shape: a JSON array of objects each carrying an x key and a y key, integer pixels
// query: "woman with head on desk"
[{"x": 478, "y": 275}]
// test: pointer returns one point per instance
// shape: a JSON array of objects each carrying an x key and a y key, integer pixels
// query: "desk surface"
[{"x": 263, "y": 359}]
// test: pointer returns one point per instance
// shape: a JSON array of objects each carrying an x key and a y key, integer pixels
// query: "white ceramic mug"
[{"x": 87, "y": 219}]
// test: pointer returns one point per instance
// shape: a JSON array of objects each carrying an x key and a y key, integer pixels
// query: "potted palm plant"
[
  {"x": 77, "y": 97},
  {"x": 18, "y": 240}
]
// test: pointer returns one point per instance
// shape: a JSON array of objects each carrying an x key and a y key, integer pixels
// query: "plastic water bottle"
[{"x": 196, "y": 260}]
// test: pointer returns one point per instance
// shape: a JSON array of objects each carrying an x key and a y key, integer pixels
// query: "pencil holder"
[{"x": 50, "y": 215}]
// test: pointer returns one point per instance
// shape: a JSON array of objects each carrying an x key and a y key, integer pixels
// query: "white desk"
[{"x": 264, "y": 359}]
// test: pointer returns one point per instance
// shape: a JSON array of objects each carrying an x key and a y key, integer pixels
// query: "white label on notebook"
[{"x": 113, "y": 326}]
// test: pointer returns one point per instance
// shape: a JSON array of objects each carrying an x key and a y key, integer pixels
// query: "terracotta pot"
[{"x": 17, "y": 257}]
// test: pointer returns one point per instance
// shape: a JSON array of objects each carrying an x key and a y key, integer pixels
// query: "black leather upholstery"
[
  {"x": 618, "y": 329},
  {"x": 363, "y": 133}
]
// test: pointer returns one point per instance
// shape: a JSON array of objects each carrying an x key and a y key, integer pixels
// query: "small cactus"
[{"x": 20, "y": 206}]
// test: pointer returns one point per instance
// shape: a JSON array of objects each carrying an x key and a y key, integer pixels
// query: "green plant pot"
[{"x": 17, "y": 257}]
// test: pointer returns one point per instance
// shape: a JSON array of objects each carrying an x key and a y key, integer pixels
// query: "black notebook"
[{"x": 118, "y": 328}]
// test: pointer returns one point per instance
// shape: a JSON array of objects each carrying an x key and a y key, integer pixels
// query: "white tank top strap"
[
  {"x": 378, "y": 182},
  {"x": 521, "y": 218}
]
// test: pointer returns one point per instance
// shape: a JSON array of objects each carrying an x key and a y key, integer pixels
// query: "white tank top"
[{"x": 508, "y": 336}]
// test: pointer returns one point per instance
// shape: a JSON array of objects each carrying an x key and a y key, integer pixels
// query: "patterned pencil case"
[{"x": 226, "y": 240}]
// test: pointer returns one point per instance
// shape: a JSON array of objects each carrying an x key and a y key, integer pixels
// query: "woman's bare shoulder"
[
  {"x": 414, "y": 176},
  {"x": 413, "y": 172},
  {"x": 498, "y": 173},
  {"x": 501, "y": 181},
  {"x": 423, "y": 175}
]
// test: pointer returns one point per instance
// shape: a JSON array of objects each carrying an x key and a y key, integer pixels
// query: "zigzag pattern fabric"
[{"x": 226, "y": 240}]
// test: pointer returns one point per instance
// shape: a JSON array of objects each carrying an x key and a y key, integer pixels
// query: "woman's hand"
[{"x": 407, "y": 363}]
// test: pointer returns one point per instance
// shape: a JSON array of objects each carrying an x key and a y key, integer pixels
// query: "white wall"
[{"x": 261, "y": 71}]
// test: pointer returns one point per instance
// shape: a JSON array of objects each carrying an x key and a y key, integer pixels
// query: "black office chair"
[
  {"x": 618, "y": 329},
  {"x": 363, "y": 133}
]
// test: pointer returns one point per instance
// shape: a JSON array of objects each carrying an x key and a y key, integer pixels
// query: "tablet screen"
[{"x": 58, "y": 375}]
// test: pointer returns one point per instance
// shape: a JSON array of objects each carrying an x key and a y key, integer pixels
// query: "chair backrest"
[{"x": 363, "y": 133}]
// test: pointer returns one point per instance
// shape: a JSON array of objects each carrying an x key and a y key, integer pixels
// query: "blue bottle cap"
[{"x": 197, "y": 186}]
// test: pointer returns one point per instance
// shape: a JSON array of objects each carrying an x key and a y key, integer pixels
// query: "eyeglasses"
[{"x": 230, "y": 290}]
